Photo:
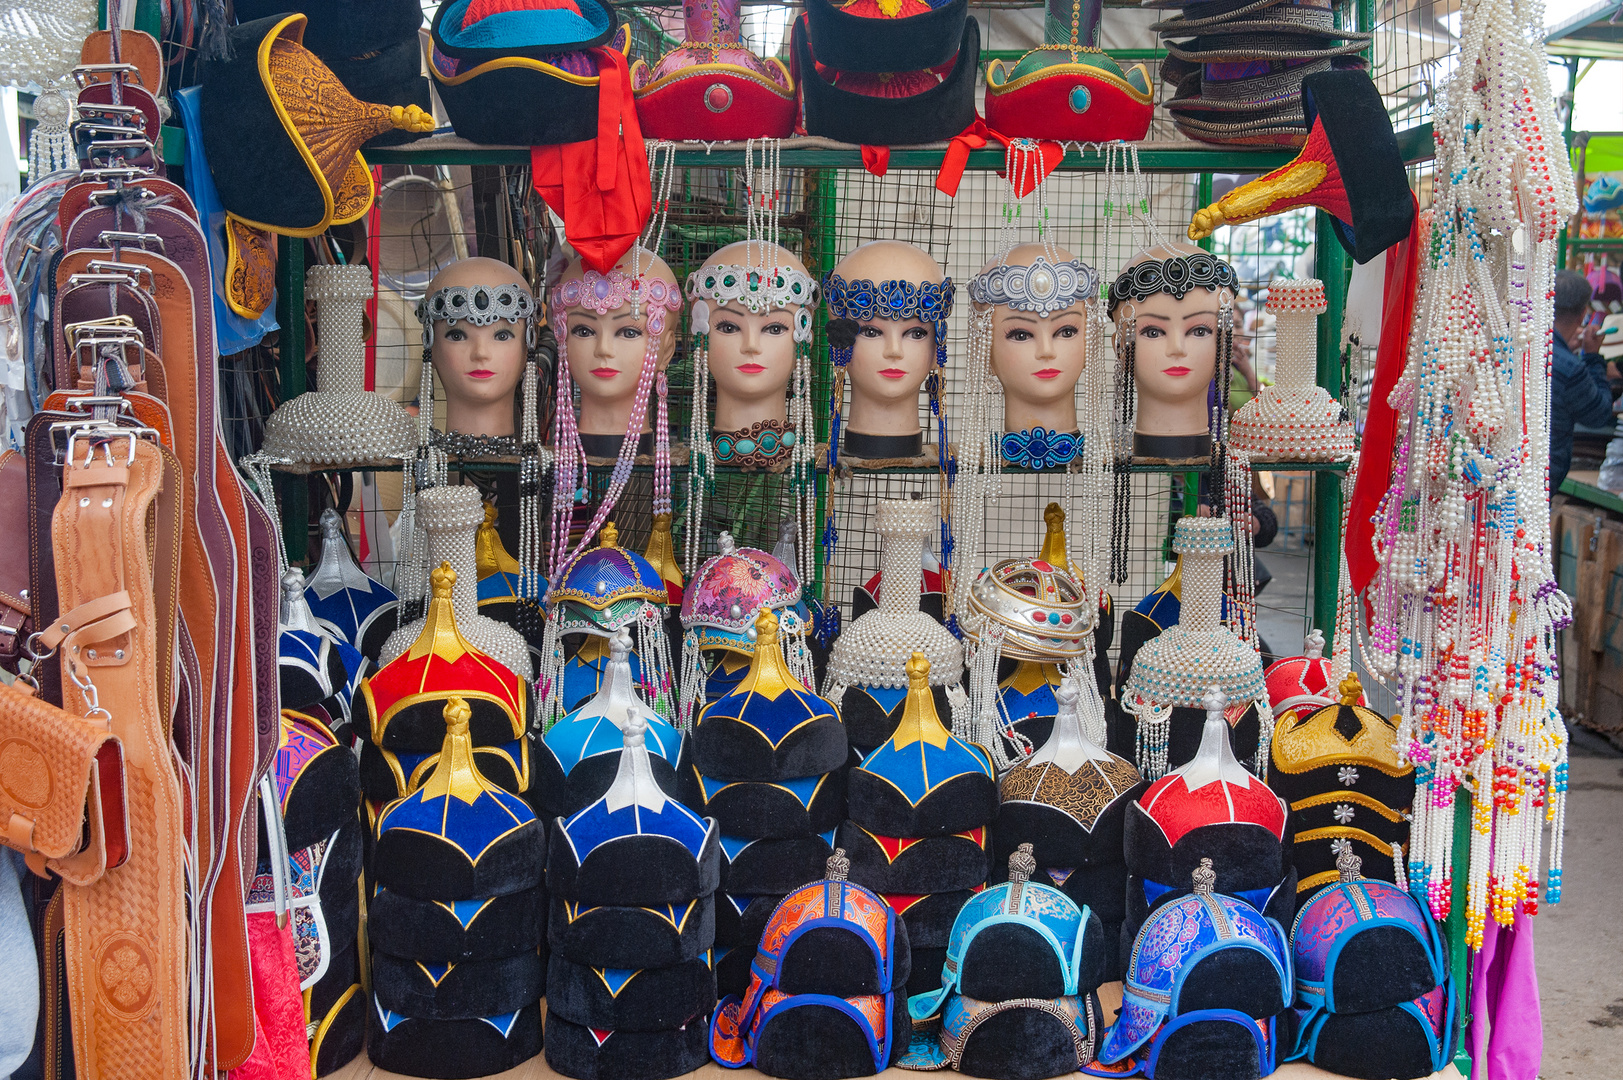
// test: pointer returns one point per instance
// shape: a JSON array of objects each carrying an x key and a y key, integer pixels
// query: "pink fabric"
[
  {"x": 281, "y": 1048},
  {"x": 1504, "y": 991}
]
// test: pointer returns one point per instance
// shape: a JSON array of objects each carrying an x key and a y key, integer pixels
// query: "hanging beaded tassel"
[{"x": 1465, "y": 605}]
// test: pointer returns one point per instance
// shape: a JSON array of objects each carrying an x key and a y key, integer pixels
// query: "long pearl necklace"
[{"x": 1466, "y": 608}]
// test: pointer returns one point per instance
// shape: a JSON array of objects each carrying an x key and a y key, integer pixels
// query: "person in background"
[{"x": 1579, "y": 393}]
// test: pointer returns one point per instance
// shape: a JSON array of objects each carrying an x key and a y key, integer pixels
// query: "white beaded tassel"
[{"x": 450, "y": 518}]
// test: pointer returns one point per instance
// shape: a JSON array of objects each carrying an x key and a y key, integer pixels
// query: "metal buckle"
[
  {"x": 82, "y": 74},
  {"x": 114, "y": 237}
]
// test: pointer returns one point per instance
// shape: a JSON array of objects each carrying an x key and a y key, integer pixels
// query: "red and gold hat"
[
  {"x": 1067, "y": 88},
  {"x": 712, "y": 87}
]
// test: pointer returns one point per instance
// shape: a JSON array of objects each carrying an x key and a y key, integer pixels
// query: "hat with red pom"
[
  {"x": 1067, "y": 88},
  {"x": 712, "y": 86}
]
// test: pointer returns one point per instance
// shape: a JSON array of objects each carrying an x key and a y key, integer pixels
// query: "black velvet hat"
[
  {"x": 1205, "y": 1044},
  {"x": 390, "y": 76},
  {"x": 337, "y": 882},
  {"x": 456, "y": 931},
  {"x": 452, "y": 1049},
  {"x": 587, "y": 1054},
  {"x": 458, "y": 991},
  {"x": 928, "y": 921},
  {"x": 1400, "y": 1042},
  {"x": 1102, "y": 888},
  {"x": 340, "y": 28},
  {"x": 752, "y": 809},
  {"x": 635, "y": 845},
  {"x": 928, "y": 961},
  {"x": 1019, "y": 1039},
  {"x": 773, "y": 867},
  {"x": 336, "y": 1013},
  {"x": 771, "y": 728},
  {"x": 872, "y": 713},
  {"x": 933, "y": 115},
  {"x": 387, "y": 775},
  {"x": 933, "y": 864},
  {"x": 628, "y": 937},
  {"x": 625, "y": 999},
  {"x": 739, "y": 923},
  {"x": 308, "y": 668},
  {"x": 458, "y": 836},
  {"x": 1313, "y": 856},
  {"x": 868, "y": 42},
  {"x": 818, "y": 1038},
  {"x": 1344, "y": 747},
  {"x": 315, "y": 779}
]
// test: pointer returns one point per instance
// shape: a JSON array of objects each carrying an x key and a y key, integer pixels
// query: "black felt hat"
[
  {"x": 608, "y": 935},
  {"x": 568, "y": 780},
  {"x": 740, "y": 919},
  {"x": 586, "y": 1054},
  {"x": 858, "y": 43},
  {"x": 308, "y": 669},
  {"x": 1030, "y": 1041},
  {"x": 387, "y": 775},
  {"x": 968, "y": 800},
  {"x": 342, "y": 28},
  {"x": 1198, "y": 1048},
  {"x": 324, "y": 792},
  {"x": 1101, "y": 888},
  {"x": 834, "y": 961},
  {"x": 390, "y": 76},
  {"x": 868, "y": 722},
  {"x": 929, "y": 918},
  {"x": 464, "y": 991},
  {"x": 1401, "y": 1042},
  {"x": 759, "y": 810},
  {"x": 934, "y": 115},
  {"x": 636, "y": 869},
  {"x": 820, "y": 1042},
  {"x": 619, "y": 999},
  {"x": 771, "y": 727},
  {"x": 773, "y": 867},
  {"x": 452, "y": 1049},
  {"x": 481, "y": 33},
  {"x": 336, "y": 1012},
  {"x": 934, "y": 864},
  {"x": 439, "y": 932}
]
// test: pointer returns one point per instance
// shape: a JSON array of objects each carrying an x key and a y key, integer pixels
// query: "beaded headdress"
[
  {"x": 1295, "y": 419},
  {"x": 480, "y": 305},
  {"x": 759, "y": 285}
]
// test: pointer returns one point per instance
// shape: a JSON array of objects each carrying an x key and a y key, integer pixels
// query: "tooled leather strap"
[
  {"x": 127, "y": 947},
  {"x": 16, "y": 609}
]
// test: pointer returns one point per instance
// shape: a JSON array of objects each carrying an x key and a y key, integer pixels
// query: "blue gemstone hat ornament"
[
  {"x": 600, "y": 591},
  {"x": 354, "y": 607},
  {"x": 1218, "y": 950},
  {"x": 1178, "y": 666}
]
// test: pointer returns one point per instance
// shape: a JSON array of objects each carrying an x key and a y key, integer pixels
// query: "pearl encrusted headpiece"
[
  {"x": 1043, "y": 287},
  {"x": 1295, "y": 419},
  {"x": 754, "y": 290}
]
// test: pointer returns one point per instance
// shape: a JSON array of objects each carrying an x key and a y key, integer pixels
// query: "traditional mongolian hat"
[
  {"x": 353, "y": 606},
  {"x": 712, "y": 86},
  {"x": 1067, "y": 87},
  {"x": 885, "y": 35}
]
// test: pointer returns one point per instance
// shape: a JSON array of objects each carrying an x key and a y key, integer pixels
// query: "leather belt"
[{"x": 16, "y": 609}]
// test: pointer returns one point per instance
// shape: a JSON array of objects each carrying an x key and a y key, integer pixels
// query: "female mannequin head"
[
  {"x": 1037, "y": 355},
  {"x": 751, "y": 350},
  {"x": 893, "y": 299},
  {"x": 479, "y": 359},
  {"x": 605, "y": 346},
  {"x": 1172, "y": 324}
]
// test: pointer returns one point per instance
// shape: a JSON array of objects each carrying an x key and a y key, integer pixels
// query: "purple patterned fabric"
[
  {"x": 1335, "y": 912},
  {"x": 745, "y": 581}
]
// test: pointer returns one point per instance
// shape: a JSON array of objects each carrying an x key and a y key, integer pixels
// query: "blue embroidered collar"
[{"x": 1040, "y": 448}]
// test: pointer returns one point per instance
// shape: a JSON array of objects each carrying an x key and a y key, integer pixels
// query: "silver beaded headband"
[
  {"x": 755, "y": 290},
  {"x": 480, "y": 305},
  {"x": 1042, "y": 288}
]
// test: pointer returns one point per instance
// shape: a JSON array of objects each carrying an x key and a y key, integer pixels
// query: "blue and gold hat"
[
  {"x": 343, "y": 599},
  {"x": 605, "y": 588}
]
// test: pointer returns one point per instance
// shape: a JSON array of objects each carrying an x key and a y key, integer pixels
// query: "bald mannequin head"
[
  {"x": 1038, "y": 359},
  {"x": 1175, "y": 352},
  {"x": 891, "y": 358},
  {"x": 752, "y": 355},
  {"x": 605, "y": 352},
  {"x": 479, "y": 367}
]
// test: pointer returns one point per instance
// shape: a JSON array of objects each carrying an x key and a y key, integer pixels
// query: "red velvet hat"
[
  {"x": 712, "y": 86},
  {"x": 1066, "y": 88}
]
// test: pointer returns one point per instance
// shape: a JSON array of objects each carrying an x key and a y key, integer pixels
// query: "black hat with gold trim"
[{"x": 343, "y": 27}]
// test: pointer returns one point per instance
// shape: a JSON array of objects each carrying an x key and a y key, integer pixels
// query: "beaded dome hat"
[
  {"x": 712, "y": 86},
  {"x": 405, "y": 699},
  {"x": 1068, "y": 88},
  {"x": 1178, "y": 666},
  {"x": 579, "y": 756},
  {"x": 1204, "y": 951},
  {"x": 351, "y": 605},
  {"x": 1295, "y": 419},
  {"x": 719, "y": 610},
  {"x": 1210, "y": 808},
  {"x": 459, "y": 836},
  {"x": 340, "y": 423}
]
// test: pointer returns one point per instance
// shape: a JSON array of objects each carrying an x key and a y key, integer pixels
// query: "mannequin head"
[
  {"x": 605, "y": 346},
  {"x": 890, "y": 357},
  {"x": 751, "y": 354},
  {"x": 1038, "y": 358},
  {"x": 479, "y": 367},
  {"x": 1175, "y": 344}
]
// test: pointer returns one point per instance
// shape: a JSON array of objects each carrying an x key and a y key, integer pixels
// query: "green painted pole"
[
  {"x": 1331, "y": 266},
  {"x": 1459, "y": 955},
  {"x": 825, "y": 198},
  {"x": 293, "y": 490}
]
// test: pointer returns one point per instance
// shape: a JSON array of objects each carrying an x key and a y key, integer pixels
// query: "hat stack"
[
  {"x": 920, "y": 808},
  {"x": 633, "y": 878},
  {"x": 1016, "y": 1000},
  {"x": 824, "y": 998},
  {"x": 455, "y": 923},
  {"x": 1209, "y": 809},
  {"x": 350, "y": 605},
  {"x": 1067, "y": 803},
  {"x": 770, "y": 760},
  {"x": 371, "y": 45},
  {"x": 309, "y": 668},
  {"x": 1373, "y": 996},
  {"x": 404, "y": 732},
  {"x": 1339, "y": 769},
  {"x": 1207, "y": 985},
  {"x": 1238, "y": 65},
  {"x": 318, "y": 796}
]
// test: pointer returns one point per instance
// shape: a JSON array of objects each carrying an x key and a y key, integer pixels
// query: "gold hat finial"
[
  {"x": 766, "y": 629},
  {"x": 440, "y": 635},
  {"x": 457, "y": 714},
  {"x": 455, "y": 775},
  {"x": 609, "y": 537},
  {"x": 920, "y": 722},
  {"x": 441, "y": 581},
  {"x": 769, "y": 674},
  {"x": 918, "y": 671},
  {"x": 1350, "y": 689}
]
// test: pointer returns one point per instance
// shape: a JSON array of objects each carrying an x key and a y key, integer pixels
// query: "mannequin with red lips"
[
  {"x": 891, "y": 358},
  {"x": 1175, "y": 363},
  {"x": 605, "y": 356},
  {"x": 479, "y": 367},
  {"x": 752, "y": 355},
  {"x": 1038, "y": 359}
]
